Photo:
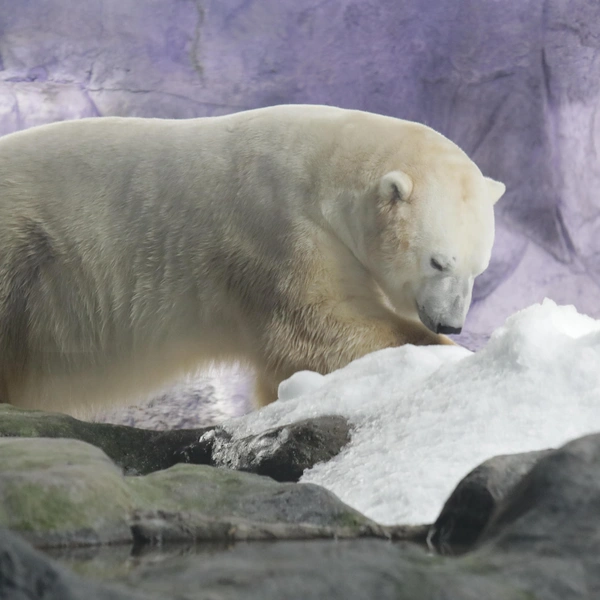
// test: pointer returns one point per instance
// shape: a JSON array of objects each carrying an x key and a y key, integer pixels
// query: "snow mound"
[{"x": 425, "y": 416}]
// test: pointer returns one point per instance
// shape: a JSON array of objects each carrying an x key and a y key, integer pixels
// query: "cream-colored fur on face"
[{"x": 134, "y": 250}]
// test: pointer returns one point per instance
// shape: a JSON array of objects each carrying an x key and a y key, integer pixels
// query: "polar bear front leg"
[{"x": 326, "y": 342}]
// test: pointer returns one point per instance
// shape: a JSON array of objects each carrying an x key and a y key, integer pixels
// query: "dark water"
[
  {"x": 120, "y": 562},
  {"x": 325, "y": 569}
]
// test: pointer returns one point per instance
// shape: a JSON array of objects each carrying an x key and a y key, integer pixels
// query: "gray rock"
[
  {"x": 60, "y": 492},
  {"x": 136, "y": 451},
  {"x": 282, "y": 453},
  {"x": 554, "y": 509},
  {"x": 26, "y": 574},
  {"x": 543, "y": 542},
  {"x": 469, "y": 508}
]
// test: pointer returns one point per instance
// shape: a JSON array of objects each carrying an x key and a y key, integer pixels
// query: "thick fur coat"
[{"x": 285, "y": 238}]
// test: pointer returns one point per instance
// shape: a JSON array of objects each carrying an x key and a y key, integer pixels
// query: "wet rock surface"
[
  {"x": 282, "y": 453},
  {"x": 60, "y": 492},
  {"x": 26, "y": 574},
  {"x": 542, "y": 542},
  {"x": 471, "y": 505},
  {"x": 554, "y": 509},
  {"x": 541, "y": 539},
  {"x": 136, "y": 451}
]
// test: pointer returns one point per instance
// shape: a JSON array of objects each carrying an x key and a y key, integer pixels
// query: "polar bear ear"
[
  {"x": 396, "y": 186},
  {"x": 496, "y": 189}
]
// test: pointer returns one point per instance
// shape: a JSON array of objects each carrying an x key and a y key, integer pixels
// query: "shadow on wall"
[{"x": 515, "y": 84}]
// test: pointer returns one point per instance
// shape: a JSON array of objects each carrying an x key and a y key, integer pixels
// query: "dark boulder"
[
  {"x": 136, "y": 451},
  {"x": 469, "y": 508},
  {"x": 282, "y": 453}
]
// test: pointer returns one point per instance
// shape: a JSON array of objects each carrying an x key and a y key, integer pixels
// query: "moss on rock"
[
  {"x": 136, "y": 451},
  {"x": 64, "y": 492}
]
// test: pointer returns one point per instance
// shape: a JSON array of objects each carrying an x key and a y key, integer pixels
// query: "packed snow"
[{"x": 425, "y": 416}]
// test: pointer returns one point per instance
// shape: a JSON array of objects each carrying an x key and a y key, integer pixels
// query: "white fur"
[{"x": 133, "y": 250}]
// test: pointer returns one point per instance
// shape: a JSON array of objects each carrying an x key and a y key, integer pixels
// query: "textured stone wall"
[{"x": 516, "y": 84}]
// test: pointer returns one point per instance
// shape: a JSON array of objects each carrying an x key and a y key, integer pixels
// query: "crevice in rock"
[{"x": 196, "y": 63}]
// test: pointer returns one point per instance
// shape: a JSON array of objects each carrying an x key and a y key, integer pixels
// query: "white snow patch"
[{"x": 425, "y": 416}]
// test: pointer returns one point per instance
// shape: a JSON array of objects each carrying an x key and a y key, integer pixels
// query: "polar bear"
[{"x": 287, "y": 238}]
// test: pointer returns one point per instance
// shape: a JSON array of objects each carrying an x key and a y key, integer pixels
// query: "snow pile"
[{"x": 425, "y": 416}]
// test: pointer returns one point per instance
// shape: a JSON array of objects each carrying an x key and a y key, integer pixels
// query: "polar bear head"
[
  {"x": 424, "y": 228},
  {"x": 434, "y": 235},
  {"x": 431, "y": 234}
]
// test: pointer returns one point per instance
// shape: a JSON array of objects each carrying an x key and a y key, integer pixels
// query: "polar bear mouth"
[
  {"x": 448, "y": 329},
  {"x": 435, "y": 325}
]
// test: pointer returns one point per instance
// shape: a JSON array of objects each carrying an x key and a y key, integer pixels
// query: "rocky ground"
[{"x": 519, "y": 526}]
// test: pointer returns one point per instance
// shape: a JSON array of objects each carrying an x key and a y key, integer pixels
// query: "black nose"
[{"x": 447, "y": 329}]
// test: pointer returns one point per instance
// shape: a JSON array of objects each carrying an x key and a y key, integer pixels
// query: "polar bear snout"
[
  {"x": 438, "y": 324},
  {"x": 443, "y": 302}
]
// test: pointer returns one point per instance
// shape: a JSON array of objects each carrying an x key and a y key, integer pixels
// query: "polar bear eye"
[{"x": 436, "y": 265}]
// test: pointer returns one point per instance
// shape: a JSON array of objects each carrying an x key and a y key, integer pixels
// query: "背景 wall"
[{"x": 516, "y": 84}]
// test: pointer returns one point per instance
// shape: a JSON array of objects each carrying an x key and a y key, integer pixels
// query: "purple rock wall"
[{"x": 516, "y": 84}]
